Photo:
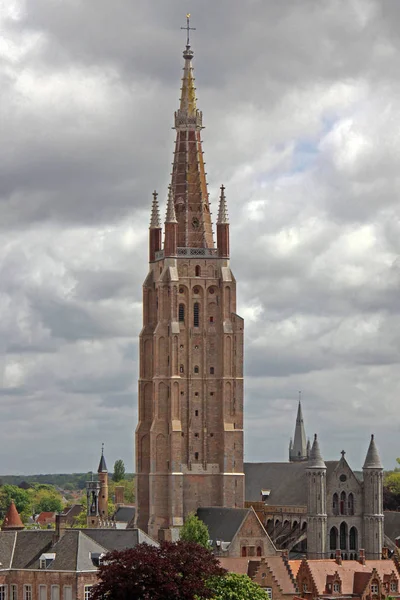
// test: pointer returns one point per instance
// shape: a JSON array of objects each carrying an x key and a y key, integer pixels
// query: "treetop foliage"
[
  {"x": 119, "y": 470},
  {"x": 236, "y": 587},
  {"x": 194, "y": 530},
  {"x": 172, "y": 571}
]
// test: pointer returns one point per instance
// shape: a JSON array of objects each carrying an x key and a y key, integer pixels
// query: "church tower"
[
  {"x": 373, "y": 503},
  {"x": 316, "y": 504},
  {"x": 189, "y": 437}
]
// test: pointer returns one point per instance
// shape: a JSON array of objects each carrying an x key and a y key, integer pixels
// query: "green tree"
[
  {"x": 236, "y": 587},
  {"x": 194, "y": 530},
  {"x": 119, "y": 470},
  {"x": 22, "y": 499}
]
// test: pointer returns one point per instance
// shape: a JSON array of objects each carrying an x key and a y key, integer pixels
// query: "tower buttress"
[
  {"x": 171, "y": 228},
  {"x": 373, "y": 502},
  {"x": 154, "y": 229},
  {"x": 223, "y": 226},
  {"x": 316, "y": 504}
]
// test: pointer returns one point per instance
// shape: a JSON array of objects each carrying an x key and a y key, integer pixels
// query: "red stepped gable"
[{"x": 12, "y": 520}]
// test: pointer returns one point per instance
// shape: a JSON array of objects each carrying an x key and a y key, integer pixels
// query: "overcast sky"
[{"x": 301, "y": 103}]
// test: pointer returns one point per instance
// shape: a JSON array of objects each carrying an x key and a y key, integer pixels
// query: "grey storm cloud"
[{"x": 301, "y": 105}]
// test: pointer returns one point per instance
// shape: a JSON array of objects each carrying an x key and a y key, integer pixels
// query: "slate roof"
[
  {"x": 124, "y": 514},
  {"x": 73, "y": 552},
  {"x": 30, "y": 544},
  {"x": 372, "y": 460},
  {"x": 119, "y": 539},
  {"x": 391, "y": 524},
  {"x": 7, "y": 540},
  {"x": 316, "y": 461},
  {"x": 222, "y": 523},
  {"x": 286, "y": 482}
]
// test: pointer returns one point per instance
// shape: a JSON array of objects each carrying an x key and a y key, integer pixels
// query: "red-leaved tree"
[{"x": 174, "y": 571}]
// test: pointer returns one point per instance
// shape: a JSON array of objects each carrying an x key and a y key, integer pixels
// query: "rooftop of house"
[{"x": 353, "y": 575}]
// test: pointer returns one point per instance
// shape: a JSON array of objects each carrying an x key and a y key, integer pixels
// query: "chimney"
[
  {"x": 361, "y": 556},
  {"x": 119, "y": 494},
  {"x": 338, "y": 557},
  {"x": 61, "y": 526}
]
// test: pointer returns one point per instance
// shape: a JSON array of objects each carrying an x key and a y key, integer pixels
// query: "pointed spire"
[
  {"x": 223, "y": 218},
  {"x": 189, "y": 183},
  {"x": 12, "y": 520},
  {"x": 155, "y": 220},
  {"x": 299, "y": 449},
  {"x": 372, "y": 460},
  {"x": 102, "y": 464},
  {"x": 316, "y": 461},
  {"x": 170, "y": 217}
]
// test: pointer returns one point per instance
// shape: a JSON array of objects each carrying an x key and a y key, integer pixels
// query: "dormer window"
[
  {"x": 96, "y": 558},
  {"x": 336, "y": 587},
  {"x": 45, "y": 560},
  {"x": 374, "y": 588},
  {"x": 393, "y": 586}
]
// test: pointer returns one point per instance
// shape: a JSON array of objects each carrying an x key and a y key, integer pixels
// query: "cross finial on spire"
[
  {"x": 343, "y": 453},
  {"x": 188, "y": 29},
  {"x": 102, "y": 448},
  {"x": 300, "y": 396}
]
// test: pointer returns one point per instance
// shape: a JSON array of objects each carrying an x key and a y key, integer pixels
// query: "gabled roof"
[
  {"x": 280, "y": 570},
  {"x": 73, "y": 552},
  {"x": 320, "y": 569},
  {"x": 45, "y": 516},
  {"x": 222, "y": 523}
]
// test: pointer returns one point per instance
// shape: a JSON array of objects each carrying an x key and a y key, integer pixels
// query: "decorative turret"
[
  {"x": 223, "y": 226},
  {"x": 102, "y": 474},
  {"x": 316, "y": 504},
  {"x": 155, "y": 229},
  {"x": 189, "y": 185},
  {"x": 171, "y": 228},
  {"x": 373, "y": 502},
  {"x": 12, "y": 520},
  {"x": 298, "y": 451}
]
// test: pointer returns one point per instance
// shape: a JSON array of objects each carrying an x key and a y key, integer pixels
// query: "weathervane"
[{"x": 188, "y": 29}]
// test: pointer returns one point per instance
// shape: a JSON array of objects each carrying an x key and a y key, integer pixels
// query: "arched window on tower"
[
  {"x": 197, "y": 271},
  {"x": 182, "y": 313},
  {"x": 333, "y": 538},
  {"x": 196, "y": 314},
  {"x": 335, "y": 504},
  {"x": 353, "y": 538},
  {"x": 343, "y": 503},
  {"x": 259, "y": 551},
  {"x": 343, "y": 536},
  {"x": 350, "y": 505}
]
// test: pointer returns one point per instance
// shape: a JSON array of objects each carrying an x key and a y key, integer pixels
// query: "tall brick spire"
[{"x": 189, "y": 186}]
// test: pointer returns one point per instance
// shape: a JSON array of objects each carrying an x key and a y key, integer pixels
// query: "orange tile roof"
[
  {"x": 295, "y": 566},
  {"x": 320, "y": 569},
  {"x": 12, "y": 520}
]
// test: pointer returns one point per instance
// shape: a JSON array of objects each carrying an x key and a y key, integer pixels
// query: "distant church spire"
[{"x": 299, "y": 449}]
